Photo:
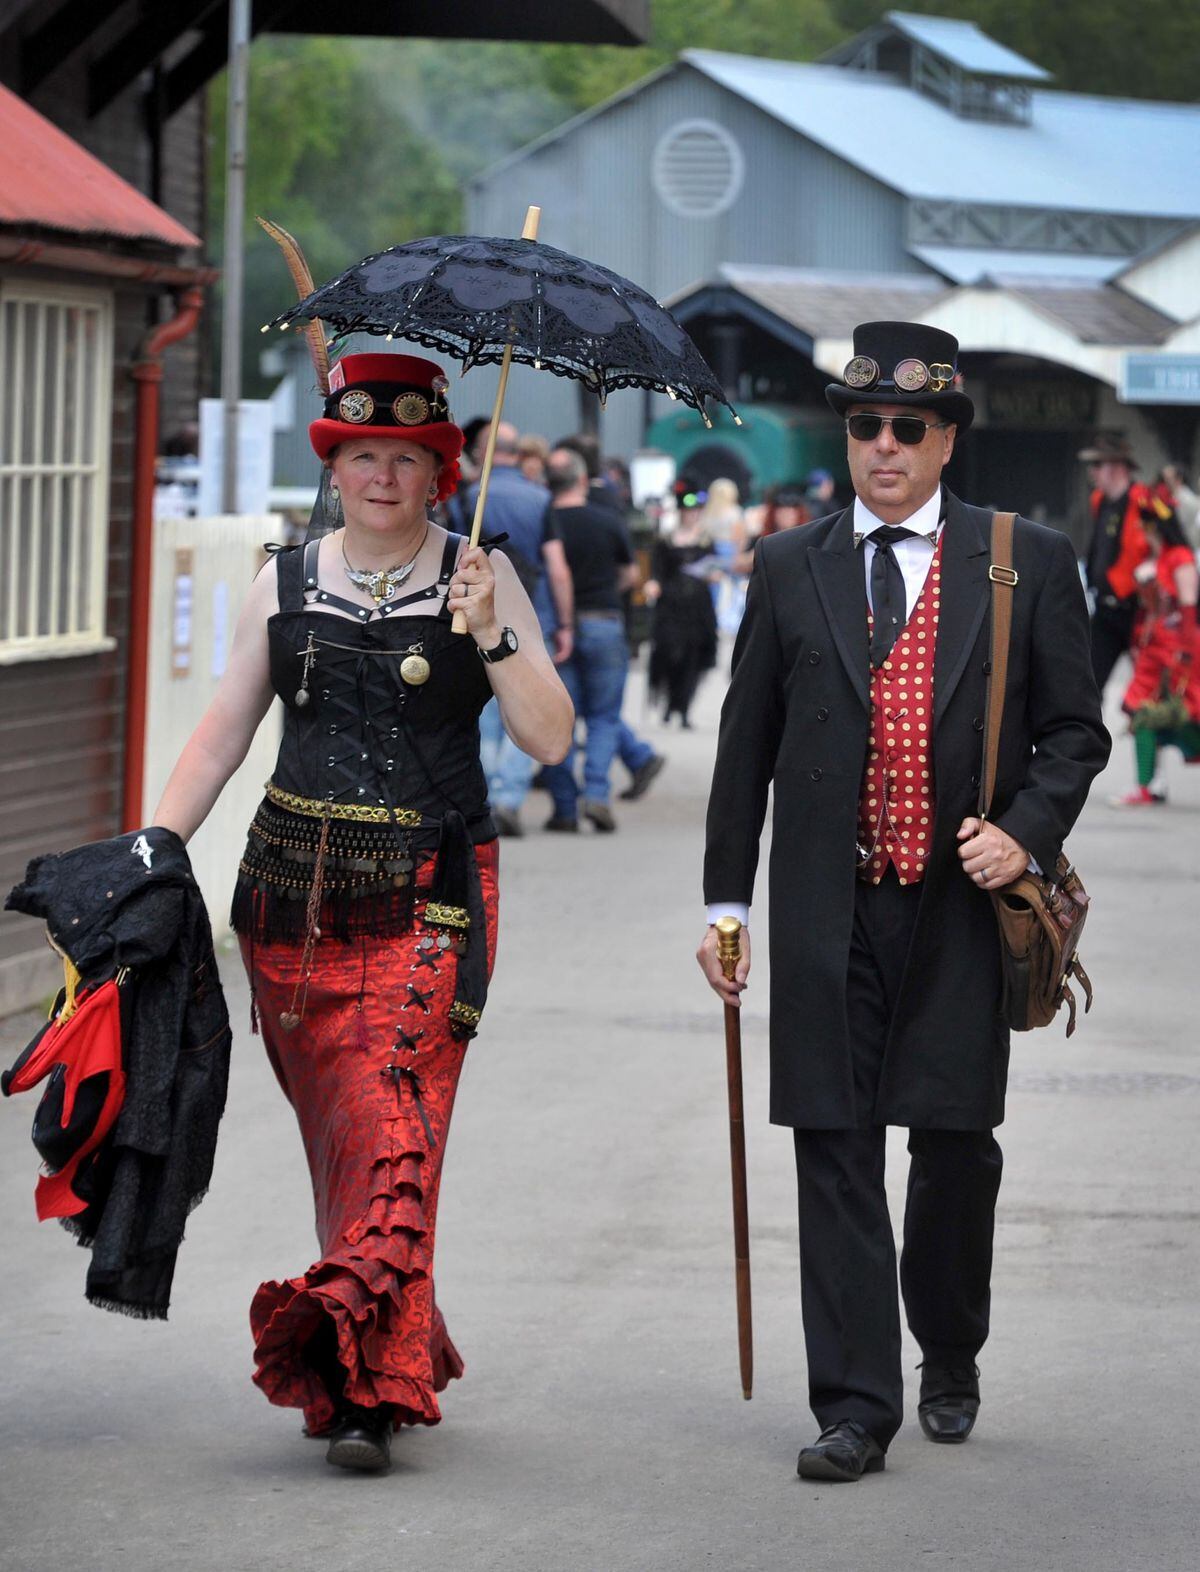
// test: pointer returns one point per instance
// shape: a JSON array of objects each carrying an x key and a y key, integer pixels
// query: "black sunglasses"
[{"x": 907, "y": 429}]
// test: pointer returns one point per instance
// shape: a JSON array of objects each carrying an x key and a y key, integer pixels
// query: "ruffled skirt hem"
[{"x": 375, "y": 1295}]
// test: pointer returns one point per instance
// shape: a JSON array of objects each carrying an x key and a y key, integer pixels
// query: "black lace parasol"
[{"x": 478, "y": 298}]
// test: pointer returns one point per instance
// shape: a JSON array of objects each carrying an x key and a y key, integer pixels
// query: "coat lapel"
[
  {"x": 966, "y": 555},
  {"x": 837, "y": 571}
]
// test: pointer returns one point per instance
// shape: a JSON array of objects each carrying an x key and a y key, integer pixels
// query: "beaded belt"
[{"x": 360, "y": 812}]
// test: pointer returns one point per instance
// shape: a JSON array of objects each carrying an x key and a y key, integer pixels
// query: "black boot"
[{"x": 362, "y": 1439}]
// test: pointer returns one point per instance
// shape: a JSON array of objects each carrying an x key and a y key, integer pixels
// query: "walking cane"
[{"x": 729, "y": 950}]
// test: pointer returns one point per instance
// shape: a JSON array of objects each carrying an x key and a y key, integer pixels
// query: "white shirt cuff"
[{"x": 728, "y": 909}]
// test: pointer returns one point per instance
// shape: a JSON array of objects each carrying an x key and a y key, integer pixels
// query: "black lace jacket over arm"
[{"x": 133, "y": 902}]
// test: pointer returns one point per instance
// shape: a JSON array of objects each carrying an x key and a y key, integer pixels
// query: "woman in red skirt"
[
  {"x": 1163, "y": 699},
  {"x": 367, "y": 897}
]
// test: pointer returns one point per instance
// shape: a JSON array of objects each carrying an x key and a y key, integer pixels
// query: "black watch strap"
[{"x": 506, "y": 647}]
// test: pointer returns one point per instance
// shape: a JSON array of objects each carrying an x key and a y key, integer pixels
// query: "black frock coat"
[{"x": 797, "y": 714}]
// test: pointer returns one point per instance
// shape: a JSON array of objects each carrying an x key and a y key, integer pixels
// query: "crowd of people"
[{"x": 563, "y": 514}]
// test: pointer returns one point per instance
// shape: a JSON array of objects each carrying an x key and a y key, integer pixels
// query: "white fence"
[{"x": 202, "y": 570}]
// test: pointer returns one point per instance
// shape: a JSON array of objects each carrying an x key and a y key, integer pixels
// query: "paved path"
[{"x": 585, "y": 1272}]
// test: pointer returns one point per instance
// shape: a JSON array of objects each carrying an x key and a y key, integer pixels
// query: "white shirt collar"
[{"x": 923, "y": 522}]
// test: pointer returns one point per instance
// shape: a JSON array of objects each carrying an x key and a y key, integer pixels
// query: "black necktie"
[{"x": 889, "y": 605}]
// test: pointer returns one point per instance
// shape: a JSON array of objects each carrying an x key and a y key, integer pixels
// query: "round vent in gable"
[{"x": 697, "y": 169}]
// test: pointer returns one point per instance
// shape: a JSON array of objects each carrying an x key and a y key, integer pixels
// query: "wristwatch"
[{"x": 506, "y": 647}]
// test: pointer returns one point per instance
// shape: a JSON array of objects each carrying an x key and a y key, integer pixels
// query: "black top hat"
[{"x": 903, "y": 363}]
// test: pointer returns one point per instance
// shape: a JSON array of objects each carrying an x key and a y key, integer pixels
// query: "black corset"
[
  {"x": 396, "y": 763},
  {"x": 361, "y": 734}
]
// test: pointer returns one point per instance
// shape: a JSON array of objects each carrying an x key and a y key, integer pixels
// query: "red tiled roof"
[{"x": 48, "y": 180}]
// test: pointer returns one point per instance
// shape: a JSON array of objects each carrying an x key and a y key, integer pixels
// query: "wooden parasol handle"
[
  {"x": 459, "y": 625},
  {"x": 729, "y": 950}
]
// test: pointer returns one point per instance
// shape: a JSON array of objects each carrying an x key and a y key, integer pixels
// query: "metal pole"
[{"x": 235, "y": 208}]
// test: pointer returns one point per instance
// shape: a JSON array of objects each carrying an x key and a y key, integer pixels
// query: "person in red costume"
[
  {"x": 1117, "y": 547},
  {"x": 366, "y": 899},
  {"x": 1163, "y": 700}
]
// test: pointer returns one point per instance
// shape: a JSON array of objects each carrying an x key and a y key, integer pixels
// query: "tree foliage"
[
  {"x": 332, "y": 158},
  {"x": 359, "y": 144}
]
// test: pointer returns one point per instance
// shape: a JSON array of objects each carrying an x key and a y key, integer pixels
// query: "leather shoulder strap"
[
  {"x": 1004, "y": 579},
  {"x": 289, "y": 565}
]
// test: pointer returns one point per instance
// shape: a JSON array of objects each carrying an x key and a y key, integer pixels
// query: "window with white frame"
[{"x": 56, "y": 369}]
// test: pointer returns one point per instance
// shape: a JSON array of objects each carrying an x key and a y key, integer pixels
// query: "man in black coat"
[{"x": 885, "y": 976}]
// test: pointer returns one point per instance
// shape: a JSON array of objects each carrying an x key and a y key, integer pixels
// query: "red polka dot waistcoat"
[{"x": 895, "y": 805}]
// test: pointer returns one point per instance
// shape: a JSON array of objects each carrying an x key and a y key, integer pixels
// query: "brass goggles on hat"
[
  {"x": 908, "y": 430},
  {"x": 389, "y": 404}
]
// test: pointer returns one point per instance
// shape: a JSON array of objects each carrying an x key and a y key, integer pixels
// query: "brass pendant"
[{"x": 415, "y": 670}]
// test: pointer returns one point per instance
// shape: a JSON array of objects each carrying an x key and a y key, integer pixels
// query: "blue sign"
[{"x": 1160, "y": 379}]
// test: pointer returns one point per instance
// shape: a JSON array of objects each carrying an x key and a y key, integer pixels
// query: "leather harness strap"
[{"x": 1003, "y": 577}]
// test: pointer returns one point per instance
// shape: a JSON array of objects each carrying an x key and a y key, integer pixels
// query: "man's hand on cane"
[
  {"x": 990, "y": 858},
  {"x": 710, "y": 965}
]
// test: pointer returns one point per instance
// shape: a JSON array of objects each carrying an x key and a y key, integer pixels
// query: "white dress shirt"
[{"x": 913, "y": 557}]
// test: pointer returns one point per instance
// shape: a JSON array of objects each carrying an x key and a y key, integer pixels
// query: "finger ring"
[{"x": 987, "y": 873}]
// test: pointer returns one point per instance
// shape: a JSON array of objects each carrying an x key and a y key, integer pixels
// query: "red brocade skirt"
[{"x": 371, "y": 1071}]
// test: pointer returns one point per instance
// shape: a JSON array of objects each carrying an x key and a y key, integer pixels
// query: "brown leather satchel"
[{"x": 1040, "y": 918}]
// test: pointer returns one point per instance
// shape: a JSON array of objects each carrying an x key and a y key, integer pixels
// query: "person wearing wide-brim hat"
[
  {"x": 366, "y": 899},
  {"x": 1116, "y": 550},
  {"x": 857, "y": 691}
]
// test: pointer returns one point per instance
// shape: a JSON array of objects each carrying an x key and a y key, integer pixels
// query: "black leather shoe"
[
  {"x": 643, "y": 776},
  {"x": 842, "y": 1452},
  {"x": 562, "y": 826},
  {"x": 949, "y": 1401},
  {"x": 362, "y": 1439}
]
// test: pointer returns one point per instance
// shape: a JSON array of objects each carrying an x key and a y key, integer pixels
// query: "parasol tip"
[
  {"x": 266, "y": 328},
  {"x": 737, "y": 420},
  {"x": 746, "y": 1393}
]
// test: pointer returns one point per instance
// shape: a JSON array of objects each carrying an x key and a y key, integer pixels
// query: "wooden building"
[{"x": 101, "y": 210}]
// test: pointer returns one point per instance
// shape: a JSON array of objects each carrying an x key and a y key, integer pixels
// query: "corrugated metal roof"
[
  {"x": 830, "y": 305},
  {"x": 964, "y": 45},
  {"x": 49, "y": 181},
  {"x": 969, "y": 264},
  {"x": 1094, "y": 313},
  {"x": 1109, "y": 155}
]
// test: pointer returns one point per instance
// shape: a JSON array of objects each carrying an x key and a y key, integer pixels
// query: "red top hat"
[{"x": 390, "y": 396}]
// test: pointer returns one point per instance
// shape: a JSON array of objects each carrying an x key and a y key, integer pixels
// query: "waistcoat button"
[
  {"x": 987, "y": 668},
  {"x": 822, "y": 713},
  {"x": 815, "y": 775},
  {"x": 977, "y": 723},
  {"x": 814, "y": 657}
]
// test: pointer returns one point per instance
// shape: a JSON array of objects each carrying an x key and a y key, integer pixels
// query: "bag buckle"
[{"x": 1002, "y": 575}]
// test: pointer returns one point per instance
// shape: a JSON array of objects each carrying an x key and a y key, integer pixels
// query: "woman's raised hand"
[{"x": 473, "y": 592}]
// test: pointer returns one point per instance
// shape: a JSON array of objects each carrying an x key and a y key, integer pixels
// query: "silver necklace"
[{"x": 383, "y": 584}]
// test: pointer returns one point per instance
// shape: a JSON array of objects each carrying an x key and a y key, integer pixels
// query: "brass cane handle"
[{"x": 729, "y": 944}]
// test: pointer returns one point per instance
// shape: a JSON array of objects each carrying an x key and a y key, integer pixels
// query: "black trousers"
[
  {"x": 1112, "y": 635},
  {"x": 847, "y": 1254}
]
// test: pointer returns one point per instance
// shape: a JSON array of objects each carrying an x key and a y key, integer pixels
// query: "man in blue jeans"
[
  {"x": 600, "y": 558},
  {"x": 519, "y": 508}
]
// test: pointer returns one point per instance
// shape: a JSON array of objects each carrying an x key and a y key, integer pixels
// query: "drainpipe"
[{"x": 147, "y": 373}]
